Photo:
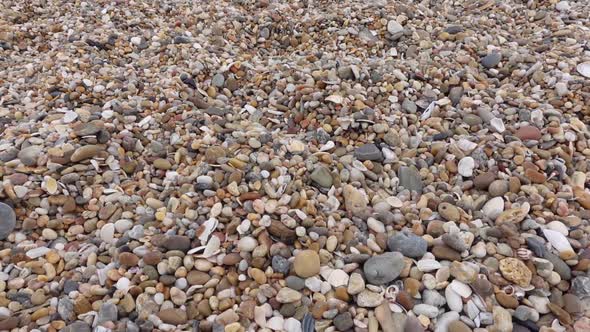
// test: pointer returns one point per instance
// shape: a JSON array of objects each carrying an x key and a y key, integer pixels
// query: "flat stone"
[
  {"x": 410, "y": 245},
  {"x": 86, "y": 152},
  {"x": 29, "y": 155},
  {"x": 384, "y": 268},
  {"x": 173, "y": 316},
  {"x": 491, "y": 60},
  {"x": 528, "y": 133},
  {"x": 368, "y": 152},
  {"x": 410, "y": 179},
  {"x": 322, "y": 177},
  {"x": 7, "y": 220}
]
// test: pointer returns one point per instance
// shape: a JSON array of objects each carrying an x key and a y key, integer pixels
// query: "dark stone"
[
  {"x": 343, "y": 321},
  {"x": 368, "y": 152},
  {"x": 280, "y": 264}
]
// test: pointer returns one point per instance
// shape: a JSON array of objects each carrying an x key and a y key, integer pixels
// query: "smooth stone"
[
  {"x": 295, "y": 283},
  {"x": 528, "y": 133},
  {"x": 446, "y": 253},
  {"x": 7, "y": 220},
  {"x": 409, "y": 244},
  {"x": 483, "y": 181},
  {"x": 444, "y": 320},
  {"x": 466, "y": 166},
  {"x": 498, "y": 188},
  {"x": 410, "y": 179},
  {"x": 383, "y": 268},
  {"x": 108, "y": 313},
  {"x": 409, "y": 106},
  {"x": 493, "y": 208},
  {"x": 559, "y": 266},
  {"x": 395, "y": 29},
  {"x": 288, "y": 295},
  {"x": 343, "y": 321},
  {"x": 491, "y": 60},
  {"x": 385, "y": 318},
  {"x": 426, "y": 310},
  {"x": 77, "y": 326},
  {"x": 306, "y": 263},
  {"x": 458, "y": 326},
  {"x": 572, "y": 304},
  {"x": 356, "y": 284},
  {"x": 454, "y": 241},
  {"x": 86, "y": 152},
  {"x": 173, "y": 316},
  {"x": 29, "y": 155},
  {"x": 321, "y": 176},
  {"x": 368, "y": 152}
]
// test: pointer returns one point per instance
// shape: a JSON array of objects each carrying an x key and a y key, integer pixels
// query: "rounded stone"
[
  {"x": 383, "y": 268},
  {"x": 306, "y": 263},
  {"x": 7, "y": 220}
]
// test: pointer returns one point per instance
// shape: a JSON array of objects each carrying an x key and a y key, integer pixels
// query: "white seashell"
[
  {"x": 466, "y": 166},
  {"x": 461, "y": 288},
  {"x": 584, "y": 69},
  {"x": 466, "y": 145},
  {"x": 558, "y": 241},
  {"x": 558, "y": 226},
  {"x": 336, "y": 99},
  {"x": 210, "y": 225},
  {"x": 212, "y": 247},
  {"x": 328, "y": 146},
  {"x": 427, "y": 265},
  {"x": 454, "y": 300},
  {"x": 394, "y": 202},
  {"x": 428, "y": 112}
]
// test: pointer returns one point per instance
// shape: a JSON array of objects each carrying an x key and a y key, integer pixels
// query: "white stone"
[
  {"x": 275, "y": 323},
  {"x": 427, "y": 310},
  {"x": 493, "y": 208},
  {"x": 584, "y": 69},
  {"x": 37, "y": 252},
  {"x": 428, "y": 265},
  {"x": 123, "y": 284},
  {"x": 292, "y": 325},
  {"x": 395, "y": 29},
  {"x": 563, "y": 6},
  {"x": 314, "y": 284},
  {"x": 107, "y": 232},
  {"x": 497, "y": 125},
  {"x": 356, "y": 284},
  {"x": 136, "y": 40},
  {"x": 247, "y": 244},
  {"x": 123, "y": 225},
  {"x": 540, "y": 303},
  {"x": 466, "y": 166},
  {"x": 338, "y": 278},
  {"x": 454, "y": 300},
  {"x": 375, "y": 225},
  {"x": 558, "y": 226},
  {"x": 561, "y": 89},
  {"x": 442, "y": 323},
  {"x": 460, "y": 288}
]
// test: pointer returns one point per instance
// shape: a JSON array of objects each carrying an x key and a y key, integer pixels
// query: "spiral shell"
[{"x": 524, "y": 254}]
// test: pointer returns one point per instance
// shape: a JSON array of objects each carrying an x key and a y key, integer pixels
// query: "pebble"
[
  {"x": 383, "y": 268},
  {"x": 7, "y": 220},
  {"x": 306, "y": 264},
  {"x": 213, "y": 171},
  {"x": 408, "y": 244}
]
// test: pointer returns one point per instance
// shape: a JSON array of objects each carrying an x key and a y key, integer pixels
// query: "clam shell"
[
  {"x": 461, "y": 288},
  {"x": 336, "y": 99},
  {"x": 584, "y": 69},
  {"x": 559, "y": 242}
]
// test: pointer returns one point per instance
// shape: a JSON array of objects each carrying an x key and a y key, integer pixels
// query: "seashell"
[
  {"x": 560, "y": 243},
  {"x": 466, "y": 145},
  {"x": 328, "y": 146},
  {"x": 584, "y": 69},
  {"x": 428, "y": 265},
  {"x": 524, "y": 254},
  {"x": 336, "y": 99},
  {"x": 428, "y": 112},
  {"x": 206, "y": 229},
  {"x": 212, "y": 247},
  {"x": 460, "y": 288}
]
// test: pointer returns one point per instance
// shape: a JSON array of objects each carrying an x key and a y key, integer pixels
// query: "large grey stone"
[
  {"x": 410, "y": 179},
  {"x": 383, "y": 268}
]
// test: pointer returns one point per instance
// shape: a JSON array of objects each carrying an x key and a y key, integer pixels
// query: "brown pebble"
[
  {"x": 444, "y": 252},
  {"x": 528, "y": 133}
]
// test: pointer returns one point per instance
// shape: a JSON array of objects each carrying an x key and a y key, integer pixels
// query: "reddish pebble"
[{"x": 528, "y": 133}]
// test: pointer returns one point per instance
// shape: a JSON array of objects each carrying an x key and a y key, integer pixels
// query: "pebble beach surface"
[{"x": 396, "y": 166}]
